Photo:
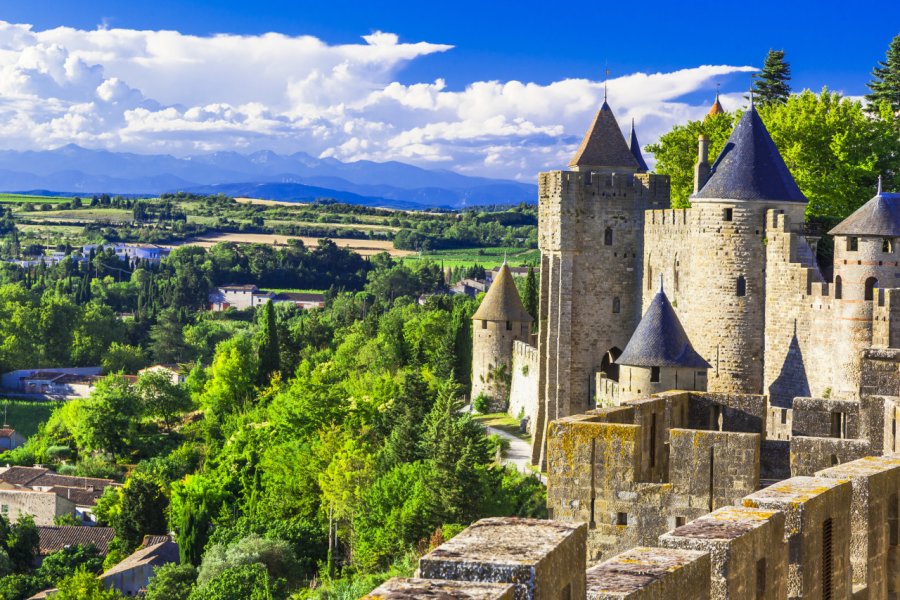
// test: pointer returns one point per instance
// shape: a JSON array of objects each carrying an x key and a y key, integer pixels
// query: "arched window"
[
  {"x": 607, "y": 237},
  {"x": 675, "y": 273},
  {"x": 871, "y": 286},
  {"x": 617, "y": 305},
  {"x": 649, "y": 277},
  {"x": 838, "y": 288},
  {"x": 741, "y": 286}
]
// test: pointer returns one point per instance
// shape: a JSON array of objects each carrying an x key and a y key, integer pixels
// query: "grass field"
[
  {"x": 26, "y": 415},
  {"x": 25, "y": 198},
  {"x": 486, "y": 257},
  {"x": 118, "y": 215},
  {"x": 503, "y": 422},
  {"x": 364, "y": 247}
]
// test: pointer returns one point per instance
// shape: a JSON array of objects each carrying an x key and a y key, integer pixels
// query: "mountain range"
[{"x": 72, "y": 169}]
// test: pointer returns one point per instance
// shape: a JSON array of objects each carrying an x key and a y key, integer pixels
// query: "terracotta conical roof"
[
  {"x": 604, "y": 145},
  {"x": 636, "y": 151},
  {"x": 660, "y": 340},
  {"x": 879, "y": 217},
  {"x": 750, "y": 167},
  {"x": 716, "y": 108},
  {"x": 502, "y": 301}
]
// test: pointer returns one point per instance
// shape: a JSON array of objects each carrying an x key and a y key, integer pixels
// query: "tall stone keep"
[
  {"x": 500, "y": 320},
  {"x": 590, "y": 221}
]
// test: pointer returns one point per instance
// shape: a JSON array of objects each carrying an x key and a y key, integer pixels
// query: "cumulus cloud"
[{"x": 164, "y": 91}]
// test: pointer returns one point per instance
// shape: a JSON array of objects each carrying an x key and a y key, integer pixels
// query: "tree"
[
  {"x": 193, "y": 530},
  {"x": 244, "y": 582},
  {"x": 885, "y": 84},
  {"x": 23, "y": 543},
  {"x": 142, "y": 511},
  {"x": 269, "y": 360},
  {"x": 771, "y": 84},
  {"x": 166, "y": 339},
  {"x": 111, "y": 415},
  {"x": 161, "y": 397},
  {"x": 232, "y": 375},
  {"x": 63, "y": 563},
  {"x": 531, "y": 295},
  {"x": 123, "y": 358},
  {"x": 676, "y": 152},
  {"x": 171, "y": 582},
  {"x": 276, "y": 556},
  {"x": 84, "y": 585}
]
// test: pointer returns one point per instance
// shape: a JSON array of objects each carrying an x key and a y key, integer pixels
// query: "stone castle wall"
[
  {"x": 523, "y": 395},
  {"x": 590, "y": 232}
]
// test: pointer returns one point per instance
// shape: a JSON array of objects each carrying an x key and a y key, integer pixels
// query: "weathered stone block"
[
  {"x": 650, "y": 573},
  {"x": 401, "y": 588}
]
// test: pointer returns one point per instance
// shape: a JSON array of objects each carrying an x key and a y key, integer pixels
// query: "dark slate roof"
[
  {"x": 604, "y": 145},
  {"x": 636, "y": 150},
  {"x": 878, "y": 217},
  {"x": 502, "y": 301},
  {"x": 750, "y": 167},
  {"x": 660, "y": 340}
]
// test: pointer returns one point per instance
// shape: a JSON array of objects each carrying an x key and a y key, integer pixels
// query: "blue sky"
[{"x": 491, "y": 88}]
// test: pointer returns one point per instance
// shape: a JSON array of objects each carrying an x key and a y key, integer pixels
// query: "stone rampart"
[{"x": 523, "y": 394}]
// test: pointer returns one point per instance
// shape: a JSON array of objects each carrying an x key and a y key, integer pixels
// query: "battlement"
[
  {"x": 670, "y": 218},
  {"x": 526, "y": 352},
  {"x": 646, "y": 186},
  {"x": 886, "y": 319}
]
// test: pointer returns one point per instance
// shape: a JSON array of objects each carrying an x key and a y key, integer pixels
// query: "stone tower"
[
  {"x": 865, "y": 260},
  {"x": 722, "y": 293},
  {"x": 590, "y": 222},
  {"x": 500, "y": 320}
]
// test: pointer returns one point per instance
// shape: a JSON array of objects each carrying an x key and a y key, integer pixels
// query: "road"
[{"x": 519, "y": 453}]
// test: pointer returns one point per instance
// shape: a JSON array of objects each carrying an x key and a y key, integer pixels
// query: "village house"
[{"x": 46, "y": 494}]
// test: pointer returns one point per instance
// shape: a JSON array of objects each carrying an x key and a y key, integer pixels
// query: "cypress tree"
[
  {"x": 771, "y": 84},
  {"x": 531, "y": 294},
  {"x": 269, "y": 355},
  {"x": 885, "y": 84}
]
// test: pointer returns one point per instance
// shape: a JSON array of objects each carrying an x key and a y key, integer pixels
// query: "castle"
[{"x": 715, "y": 418}]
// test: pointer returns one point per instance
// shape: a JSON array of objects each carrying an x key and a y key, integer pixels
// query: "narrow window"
[
  {"x": 676, "y": 278},
  {"x": 741, "y": 286},
  {"x": 838, "y": 288},
  {"x": 887, "y": 246},
  {"x": 729, "y": 214},
  {"x": 649, "y": 277},
  {"x": 509, "y": 325},
  {"x": 834, "y": 460},
  {"x": 653, "y": 440},
  {"x": 617, "y": 305},
  {"x": 621, "y": 518},
  {"x": 712, "y": 477},
  {"x": 784, "y": 416},
  {"x": 761, "y": 578},
  {"x": 826, "y": 561},
  {"x": 838, "y": 425},
  {"x": 852, "y": 244},
  {"x": 566, "y": 594},
  {"x": 679, "y": 521},
  {"x": 608, "y": 237},
  {"x": 871, "y": 286},
  {"x": 654, "y": 374},
  {"x": 484, "y": 324}
]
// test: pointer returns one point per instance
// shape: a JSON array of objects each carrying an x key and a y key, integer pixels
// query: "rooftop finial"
[
  {"x": 605, "y": 80},
  {"x": 718, "y": 85},
  {"x": 504, "y": 257},
  {"x": 661, "y": 283},
  {"x": 751, "y": 97},
  {"x": 879, "y": 185}
]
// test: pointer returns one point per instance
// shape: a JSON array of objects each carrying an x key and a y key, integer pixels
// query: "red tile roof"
[{"x": 54, "y": 538}]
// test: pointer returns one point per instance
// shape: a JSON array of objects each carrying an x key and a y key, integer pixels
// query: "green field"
[
  {"x": 26, "y": 415},
  {"x": 486, "y": 257},
  {"x": 81, "y": 215},
  {"x": 24, "y": 198}
]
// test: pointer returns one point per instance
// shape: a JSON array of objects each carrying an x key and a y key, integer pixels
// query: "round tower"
[
  {"x": 500, "y": 320},
  {"x": 865, "y": 260},
  {"x": 724, "y": 311}
]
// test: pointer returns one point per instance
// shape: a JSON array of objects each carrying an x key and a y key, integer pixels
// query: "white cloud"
[{"x": 164, "y": 91}]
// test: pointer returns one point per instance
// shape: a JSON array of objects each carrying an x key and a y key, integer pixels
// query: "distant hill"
[{"x": 72, "y": 169}]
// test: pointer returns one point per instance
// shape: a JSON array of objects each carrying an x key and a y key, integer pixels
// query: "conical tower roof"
[
  {"x": 636, "y": 151},
  {"x": 660, "y": 340},
  {"x": 750, "y": 167},
  {"x": 502, "y": 301},
  {"x": 879, "y": 217},
  {"x": 716, "y": 108},
  {"x": 604, "y": 146}
]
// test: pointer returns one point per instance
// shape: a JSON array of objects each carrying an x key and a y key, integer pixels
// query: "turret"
[
  {"x": 659, "y": 356},
  {"x": 636, "y": 151},
  {"x": 603, "y": 148},
  {"x": 500, "y": 320}
]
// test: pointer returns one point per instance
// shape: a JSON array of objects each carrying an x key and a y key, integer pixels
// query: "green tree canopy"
[
  {"x": 885, "y": 84},
  {"x": 142, "y": 511},
  {"x": 171, "y": 582},
  {"x": 771, "y": 84}
]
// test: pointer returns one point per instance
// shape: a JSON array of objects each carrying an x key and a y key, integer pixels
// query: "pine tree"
[
  {"x": 269, "y": 355},
  {"x": 531, "y": 294},
  {"x": 885, "y": 84},
  {"x": 771, "y": 84}
]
